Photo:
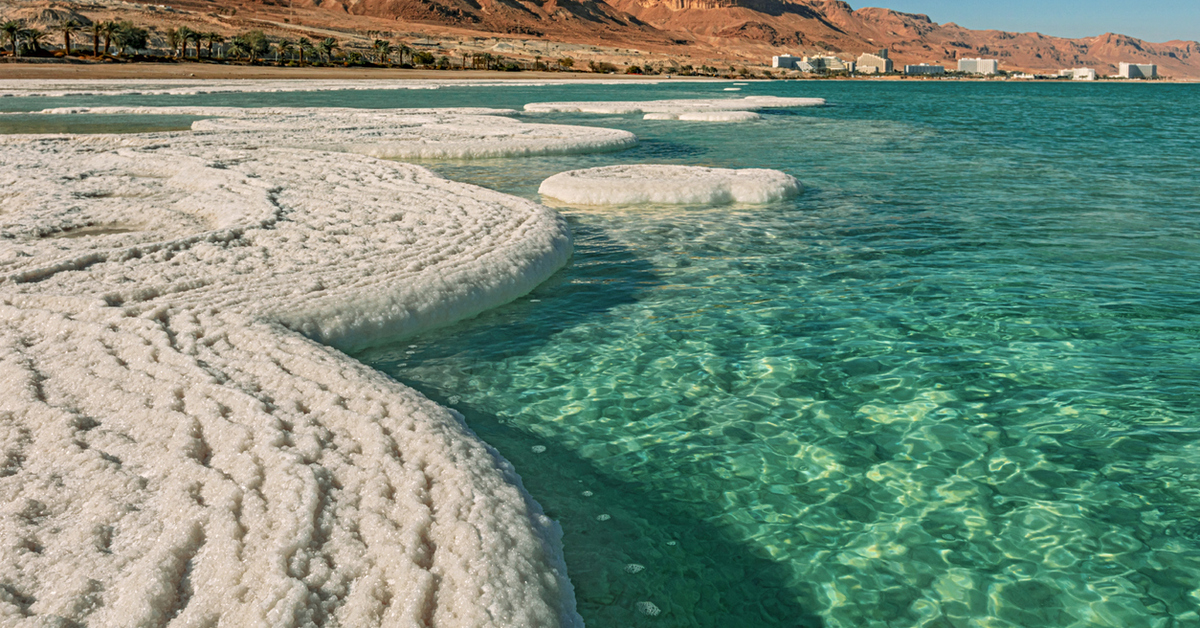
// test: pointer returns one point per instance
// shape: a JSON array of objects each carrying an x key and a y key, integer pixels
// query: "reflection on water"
[{"x": 950, "y": 385}]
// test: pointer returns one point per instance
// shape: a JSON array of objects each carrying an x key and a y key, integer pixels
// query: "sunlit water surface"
[{"x": 952, "y": 384}]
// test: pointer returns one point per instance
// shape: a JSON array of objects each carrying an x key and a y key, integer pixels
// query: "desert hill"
[
  {"x": 717, "y": 32},
  {"x": 754, "y": 30}
]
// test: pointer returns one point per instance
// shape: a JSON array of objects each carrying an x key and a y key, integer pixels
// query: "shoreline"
[{"x": 215, "y": 71}]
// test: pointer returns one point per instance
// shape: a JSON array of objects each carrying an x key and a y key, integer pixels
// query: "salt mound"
[
  {"x": 179, "y": 447},
  {"x": 749, "y": 103},
  {"x": 706, "y": 116},
  {"x": 388, "y": 134},
  {"x": 675, "y": 185}
]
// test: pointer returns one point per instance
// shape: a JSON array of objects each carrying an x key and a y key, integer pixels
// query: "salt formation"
[
  {"x": 676, "y": 185},
  {"x": 388, "y": 134},
  {"x": 749, "y": 103},
  {"x": 706, "y": 116},
  {"x": 177, "y": 444},
  {"x": 190, "y": 87}
]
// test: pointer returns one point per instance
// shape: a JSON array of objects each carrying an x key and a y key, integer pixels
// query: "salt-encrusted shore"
[
  {"x": 178, "y": 440},
  {"x": 463, "y": 133}
]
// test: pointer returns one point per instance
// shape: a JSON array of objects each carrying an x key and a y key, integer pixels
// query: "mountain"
[
  {"x": 753, "y": 30},
  {"x": 832, "y": 26},
  {"x": 742, "y": 32}
]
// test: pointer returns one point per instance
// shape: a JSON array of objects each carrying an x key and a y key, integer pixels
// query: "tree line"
[{"x": 121, "y": 37}]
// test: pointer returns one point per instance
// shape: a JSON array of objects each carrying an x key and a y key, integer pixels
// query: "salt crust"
[
  {"x": 749, "y": 103},
  {"x": 187, "y": 87},
  {"x": 673, "y": 185},
  {"x": 706, "y": 116},
  {"x": 174, "y": 444},
  {"x": 391, "y": 134}
]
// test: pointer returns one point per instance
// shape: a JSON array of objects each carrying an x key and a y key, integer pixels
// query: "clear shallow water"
[{"x": 952, "y": 384}]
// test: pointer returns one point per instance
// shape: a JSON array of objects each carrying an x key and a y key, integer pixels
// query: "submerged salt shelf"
[
  {"x": 674, "y": 185},
  {"x": 749, "y": 103},
  {"x": 177, "y": 447},
  {"x": 390, "y": 134},
  {"x": 187, "y": 87}
]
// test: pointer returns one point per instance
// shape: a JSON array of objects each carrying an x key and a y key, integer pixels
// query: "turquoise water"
[{"x": 953, "y": 384}]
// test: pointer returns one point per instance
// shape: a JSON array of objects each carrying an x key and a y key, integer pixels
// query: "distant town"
[{"x": 878, "y": 63}]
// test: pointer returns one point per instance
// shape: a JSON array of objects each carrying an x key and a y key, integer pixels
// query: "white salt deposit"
[
  {"x": 706, "y": 116},
  {"x": 675, "y": 185},
  {"x": 177, "y": 444},
  {"x": 388, "y": 134},
  {"x": 749, "y": 103},
  {"x": 188, "y": 87}
]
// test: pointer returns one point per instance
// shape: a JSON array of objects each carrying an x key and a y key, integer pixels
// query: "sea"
[{"x": 954, "y": 383}]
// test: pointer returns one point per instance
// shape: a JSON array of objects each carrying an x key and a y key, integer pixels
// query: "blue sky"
[{"x": 1154, "y": 20}]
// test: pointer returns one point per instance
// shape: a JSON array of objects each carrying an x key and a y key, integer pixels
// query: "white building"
[
  {"x": 1137, "y": 71},
  {"x": 784, "y": 62},
  {"x": 816, "y": 65},
  {"x": 924, "y": 69},
  {"x": 875, "y": 63},
  {"x": 979, "y": 66},
  {"x": 822, "y": 65},
  {"x": 1079, "y": 74}
]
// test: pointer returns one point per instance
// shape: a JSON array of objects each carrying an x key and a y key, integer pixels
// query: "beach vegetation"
[
  {"x": 187, "y": 36},
  {"x": 212, "y": 39},
  {"x": 96, "y": 30},
  {"x": 109, "y": 31},
  {"x": 326, "y": 47},
  {"x": 13, "y": 30},
  {"x": 33, "y": 39},
  {"x": 424, "y": 58},
  {"x": 566, "y": 63},
  {"x": 303, "y": 45},
  {"x": 383, "y": 50},
  {"x": 172, "y": 37},
  {"x": 284, "y": 48},
  {"x": 67, "y": 28},
  {"x": 128, "y": 36}
]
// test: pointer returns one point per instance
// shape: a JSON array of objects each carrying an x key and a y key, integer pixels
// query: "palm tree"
[
  {"x": 33, "y": 37},
  {"x": 285, "y": 47},
  {"x": 327, "y": 46},
  {"x": 402, "y": 49},
  {"x": 194, "y": 37},
  {"x": 238, "y": 47},
  {"x": 211, "y": 38},
  {"x": 95, "y": 29},
  {"x": 109, "y": 30},
  {"x": 303, "y": 46},
  {"x": 13, "y": 28},
  {"x": 383, "y": 48},
  {"x": 68, "y": 27},
  {"x": 128, "y": 36},
  {"x": 186, "y": 35}
]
